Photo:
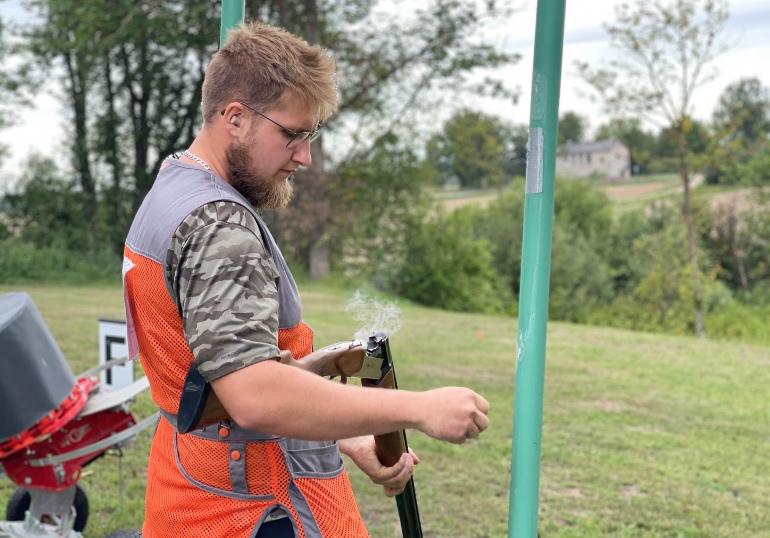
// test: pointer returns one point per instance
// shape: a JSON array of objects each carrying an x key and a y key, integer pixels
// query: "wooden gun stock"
[
  {"x": 200, "y": 407},
  {"x": 389, "y": 446},
  {"x": 344, "y": 359}
]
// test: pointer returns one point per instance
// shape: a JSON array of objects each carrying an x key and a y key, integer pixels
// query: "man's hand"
[
  {"x": 453, "y": 414},
  {"x": 392, "y": 479}
]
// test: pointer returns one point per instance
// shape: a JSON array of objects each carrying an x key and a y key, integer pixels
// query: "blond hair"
[{"x": 259, "y": 64}]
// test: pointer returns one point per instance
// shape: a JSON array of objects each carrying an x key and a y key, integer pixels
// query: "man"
[{"x": 205, "y": 284}]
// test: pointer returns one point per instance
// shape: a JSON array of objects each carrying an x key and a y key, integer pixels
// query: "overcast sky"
[{"x": 747, "y": 32}]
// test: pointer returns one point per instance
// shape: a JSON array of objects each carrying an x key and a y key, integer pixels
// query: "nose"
[{"x": 301, "y": 153}]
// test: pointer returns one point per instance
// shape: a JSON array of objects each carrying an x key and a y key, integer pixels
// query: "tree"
[
  {"x": 741, "y": 128},
  {"x": 131, "y": 74},
  {"x": 696, "y": 140},
  {"x": 520, "y": 139},
  {"x": 582, "y": 224},
  {"x": 4, "y": 83},
  {"x": 393, "y": 72},
  {"x": 665, "y": 53},
  {"x": 572, "y": 128},
  {"x": 743, "y": 110},
  {"x": 11, "y": 84},
  {"x": 473, "y": 150}
]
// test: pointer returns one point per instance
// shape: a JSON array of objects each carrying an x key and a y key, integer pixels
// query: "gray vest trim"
[
  {"x": 211, "y": 433},
  {"x": 304, "y": 512},
  {"x": 238, "y": 468},
  {"x": 178, "y": 190}
]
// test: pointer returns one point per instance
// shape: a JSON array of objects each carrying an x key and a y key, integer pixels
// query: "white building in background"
[{"x": 610, "y": 159}]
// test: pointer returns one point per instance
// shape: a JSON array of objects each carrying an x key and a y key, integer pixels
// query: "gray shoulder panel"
[{"x": 180, "y": 189}]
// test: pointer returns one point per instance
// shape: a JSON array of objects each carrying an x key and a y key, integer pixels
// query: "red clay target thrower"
[{"x": 52, "y": 424}]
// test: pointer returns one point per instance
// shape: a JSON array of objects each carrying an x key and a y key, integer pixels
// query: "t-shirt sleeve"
[{"x": 225, "y": 287}]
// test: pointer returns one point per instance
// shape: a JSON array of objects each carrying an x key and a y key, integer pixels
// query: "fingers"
[
  {"x": 482, "y": 421},
  {"x": 482, "y": 404},
  {"x": 394, "y": 479},
  {"x": 454, "y": 414},
  {"x": 399, "y": 482}
]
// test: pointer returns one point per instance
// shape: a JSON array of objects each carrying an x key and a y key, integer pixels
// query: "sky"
[{"x": 747, "y": 33}]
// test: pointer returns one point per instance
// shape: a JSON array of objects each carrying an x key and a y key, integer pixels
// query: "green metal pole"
[
  {"x": 233, "y": 12},
  {"x": 535, "y": 270}
]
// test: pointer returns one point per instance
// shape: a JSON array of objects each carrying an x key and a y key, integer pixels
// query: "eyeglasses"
[{"x": 295, "y": 138}]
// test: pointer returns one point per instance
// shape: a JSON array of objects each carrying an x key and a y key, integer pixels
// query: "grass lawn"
[{"x": 644, "y": 435}]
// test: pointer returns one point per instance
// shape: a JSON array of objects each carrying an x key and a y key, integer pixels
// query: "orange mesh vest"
[{"x": 221, "y": 481}]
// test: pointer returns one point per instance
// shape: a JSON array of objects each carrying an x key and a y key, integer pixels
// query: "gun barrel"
[{"x": 390, "y": 446}]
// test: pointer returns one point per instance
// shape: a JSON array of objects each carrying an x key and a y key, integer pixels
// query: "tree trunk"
[
  {"x": 140, "y": 99},
  {"x": 684, "y": 174},
  {"x": 733, "y": 226},
  {"x": 252, "y": 10},
  {"x": 319, "y": 260},
  {"x": 111, "y": 147},
  {"x": 283, "y": 13},
  {"x": 78, "y": 94}
]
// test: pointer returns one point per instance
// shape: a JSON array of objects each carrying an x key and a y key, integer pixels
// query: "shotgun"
[
  {"x": 390, "y": 446},
  {"x": 371, "y": 361}
]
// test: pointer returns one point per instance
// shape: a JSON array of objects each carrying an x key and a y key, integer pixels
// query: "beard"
[{"x": 260, "y": 191}]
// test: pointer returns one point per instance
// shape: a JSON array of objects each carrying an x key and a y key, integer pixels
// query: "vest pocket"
[
  {"x": 209, "y": 466},
  {"x": 313, "y": 460}
]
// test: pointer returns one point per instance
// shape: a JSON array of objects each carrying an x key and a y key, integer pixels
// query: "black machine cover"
[{"x": 34, "y": 376}]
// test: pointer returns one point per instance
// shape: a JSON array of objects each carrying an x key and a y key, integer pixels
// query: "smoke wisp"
[{"x": 373, "y": 316}]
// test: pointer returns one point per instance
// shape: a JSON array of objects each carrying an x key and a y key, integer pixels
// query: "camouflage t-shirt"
[{"x": 224, "y": 284}]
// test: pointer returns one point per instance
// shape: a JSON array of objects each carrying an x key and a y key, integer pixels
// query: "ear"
[{"x": 231, "y": 114}]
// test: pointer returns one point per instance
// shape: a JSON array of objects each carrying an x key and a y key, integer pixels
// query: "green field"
[{"x": 643, "y": 435}]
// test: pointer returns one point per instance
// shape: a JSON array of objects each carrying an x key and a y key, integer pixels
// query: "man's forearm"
[
  {"x": 286, "y": 401},
  {"x": 283, "y": 400}
]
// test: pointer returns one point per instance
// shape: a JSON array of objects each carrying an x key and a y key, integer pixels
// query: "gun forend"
[{"x": 344, "y": 359}]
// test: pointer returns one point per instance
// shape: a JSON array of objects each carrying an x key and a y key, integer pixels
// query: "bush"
[
  {"x": 580, "y": 275},
  {"x": 580, "y": 278},
  {"x": 663, "y": 165},
  {"x": 23, "y": 262},
  {"x": 739, "y": 321},
  {"x": 446, "y": 266}
]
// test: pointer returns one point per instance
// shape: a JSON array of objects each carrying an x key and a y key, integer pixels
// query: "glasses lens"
[{"x": 301, "y": 137}]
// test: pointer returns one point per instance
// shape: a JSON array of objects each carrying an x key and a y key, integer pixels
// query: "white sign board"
[{"x": 112, "y": 345}]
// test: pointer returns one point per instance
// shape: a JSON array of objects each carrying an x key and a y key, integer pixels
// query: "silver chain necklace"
[{"x": 196, "y": 159}]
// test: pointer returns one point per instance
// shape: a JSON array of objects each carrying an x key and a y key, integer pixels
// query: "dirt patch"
[
  {"x": 481, "y": 201},
  {"x": 570, "y": 492},
  {"x": 607, "y": 405},
  {"x": 631, "y": 490},
  {"x": 739, "y": 199},
  {"x": 627, "y": 192}
]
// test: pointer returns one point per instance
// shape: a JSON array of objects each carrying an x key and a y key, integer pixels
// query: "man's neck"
[{"x": 209, "y": 149}]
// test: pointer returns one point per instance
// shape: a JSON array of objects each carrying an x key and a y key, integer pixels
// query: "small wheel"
[
  {"x": 124, "y": 534},
  {"x": 21, "y": 500}
]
